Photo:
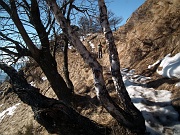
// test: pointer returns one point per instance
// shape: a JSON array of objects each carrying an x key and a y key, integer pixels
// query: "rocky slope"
[{"x": 151, "y": 32}]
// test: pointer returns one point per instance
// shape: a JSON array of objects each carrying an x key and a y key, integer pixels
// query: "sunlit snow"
[
  {"x": 170, "y": 66},
  {"x": 44, "y": 78},
  {"x": 155, "y": 105},
  {"x": 92, "y": 46},
  {"x": 33, "y": 84},
  {"x": 8, "y": 111}
]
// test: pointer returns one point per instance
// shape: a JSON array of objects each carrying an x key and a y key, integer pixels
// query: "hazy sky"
[{"x": 124, "y": 8}]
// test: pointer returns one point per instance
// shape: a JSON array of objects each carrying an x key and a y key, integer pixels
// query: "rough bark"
[
  {"x": 55, "y": 79},
  {"x": 118, "y": 113},
  {"x": 65, "y": 69},
  {"x": 55, "y": 115},
  {"x": 136, "y": 116}
]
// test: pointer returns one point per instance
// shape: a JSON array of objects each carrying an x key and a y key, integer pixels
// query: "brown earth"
[{"x": 150, "y": 33}]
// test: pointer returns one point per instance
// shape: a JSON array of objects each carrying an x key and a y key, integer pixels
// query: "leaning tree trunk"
[
  {"x": 125, "y": 100},
  {"x": 117, "y": 112},
  {"x": 49, "y": 67},
  {"x": 65, "y": 68},
  {"x": 56, "y": 116}
]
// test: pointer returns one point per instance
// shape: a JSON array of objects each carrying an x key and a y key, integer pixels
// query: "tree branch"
[
  {"x": 14, "y": 16},
  {"x": 10, "y": 39},
  {"x": 9, "y": 52},
  {"x": 43, "y": 35},
  {"x": 21, "y": 51},
  {"x": 136, "y": 121}
]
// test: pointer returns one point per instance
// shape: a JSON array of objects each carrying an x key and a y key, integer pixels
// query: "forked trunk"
[{"x": 49, "y": 67}]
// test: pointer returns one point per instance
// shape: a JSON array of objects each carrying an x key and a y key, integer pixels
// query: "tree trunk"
[
  {"x": 45, "y": 60},
  {"x": 65, "y": 69},
  {"x": 49, "y": 67},
  {"x": 118, "y": 113},
  {"x": 136, "y": 116},
  {"x": 56, "y": 116}
]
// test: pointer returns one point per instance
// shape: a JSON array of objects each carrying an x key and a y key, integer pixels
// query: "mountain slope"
[{"x": 151, "y": 32}]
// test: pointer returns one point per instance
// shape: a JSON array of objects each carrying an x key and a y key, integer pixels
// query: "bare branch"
[
  {"x": 43, "y": 35},
  {"x": 9, "y": 39},
  {"x": 9, "y": 51},
  {"x": 14, "y": 16},
  {"x": 21, "y": 51}
]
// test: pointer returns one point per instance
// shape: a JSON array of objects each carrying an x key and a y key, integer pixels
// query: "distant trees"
[
  {"x": 26, "y": 28},
  {"x": 114, "y": 21},
  {"x": 91, "y": 24}
]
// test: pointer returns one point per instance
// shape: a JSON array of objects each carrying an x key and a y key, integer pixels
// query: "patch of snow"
[
  {"x": 170, "y": 66},
  {"x": 33, "y": 84},
  {"x": 70, "y": 46},
  {"x": 92, "y": 46},
  {"x": 155, "y": 105},
  {"x": 8, "y": 111},
  {"x": 82, "y": 38},
  {"x": 89, "y": 34},
  {"x": 130, "y": 78},
  {"x": 177, "y": 84},
  {"x": 44, "y": 78},
  {"x": 157, "y": 62}
]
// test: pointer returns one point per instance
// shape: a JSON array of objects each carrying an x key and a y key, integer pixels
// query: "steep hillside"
[{"x": 151, "y": 32}]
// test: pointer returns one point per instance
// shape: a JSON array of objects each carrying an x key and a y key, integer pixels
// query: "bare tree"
[
  {"x": 37, "y": 49},
  {"x": 127, "y": 114},
  {"x": 91, "y": 23},
  {"x": 114, "y": 20},
  {"x": 57, "y": 115}
]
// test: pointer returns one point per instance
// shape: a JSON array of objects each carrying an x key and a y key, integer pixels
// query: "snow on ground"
[
  {"x": 82, "y": 38},
  {"x": 177, "y": 84},
  {"x": 33, "y": 84},
  {"x": 8, "y": 111},
  {"x": 44, "y": 78},
  {"x": 170, "y": 66},
  {"x": 155, "y": 105},
  {"x": 92, "y": 46}
]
